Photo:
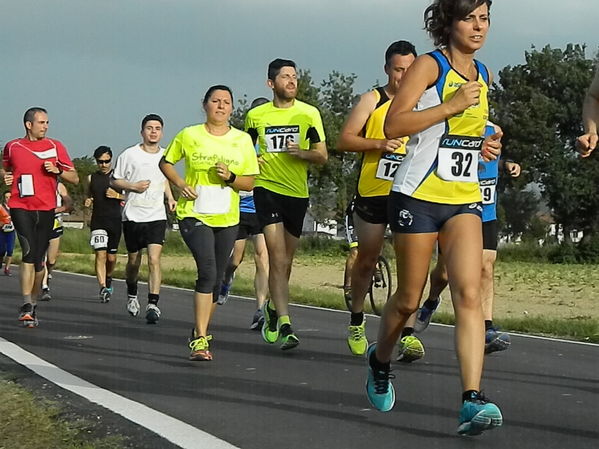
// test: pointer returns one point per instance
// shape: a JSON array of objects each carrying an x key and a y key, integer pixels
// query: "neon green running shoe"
[
  {"x": 410, "y": 349},
  {"x": 356, "y": 339},
  {"x": 288, "y": 337},
  {"x": 270, "y": 329},
  {"x": 200, "y": 348}
]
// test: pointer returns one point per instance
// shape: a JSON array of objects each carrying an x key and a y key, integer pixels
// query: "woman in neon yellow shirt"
[{"x": 219, "y": 161}]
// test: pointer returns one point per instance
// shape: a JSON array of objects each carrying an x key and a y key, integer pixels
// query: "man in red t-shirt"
[{"x": 32, "y": 166}]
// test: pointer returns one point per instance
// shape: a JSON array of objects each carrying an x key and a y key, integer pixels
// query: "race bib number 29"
[
  {"x": 458, "y": 158},
  {"x": 277, "y": 137},
  {"x": 487, "y": 190}
]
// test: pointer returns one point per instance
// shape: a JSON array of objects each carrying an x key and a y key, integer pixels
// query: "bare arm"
[
  {"x": 124, "y": 185},
  {"x": 168, "y": 193},
  {"x": 239, "y": 183},
  {"x": 402, "y": 120},
  {"x": 171, "y": 174},
  {"x": 590, "y": 119},
  {"x": 70, "y": 176},
  {"x": 317, "y": 154},
  {"x": 67, "y": 201},
  {"x": 351, "y": 139}
]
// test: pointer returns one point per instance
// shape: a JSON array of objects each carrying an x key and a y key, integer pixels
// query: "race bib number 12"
[
  {"x": 458, "y": 158},
  {"x": 388, "y": 165},
  {"x": 277, "y": 137}
]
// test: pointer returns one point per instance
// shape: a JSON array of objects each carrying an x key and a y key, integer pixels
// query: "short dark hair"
[
  {"x": 275, "y": 67},
  {"x": 211, "y": 90},
  {"x": 258, "y": 102},
  {"x": 439, "y": 17},
  {"x": 102, "y": 149},
  {"x": 149, "y": 117},
  {"x": 30, "y": 114},
  {"x": 403, "y": 48}
]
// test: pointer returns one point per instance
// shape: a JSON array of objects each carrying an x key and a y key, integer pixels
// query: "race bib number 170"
[
  {"x": 277, "y": 137},
  {"x": 458, "y": 158}
]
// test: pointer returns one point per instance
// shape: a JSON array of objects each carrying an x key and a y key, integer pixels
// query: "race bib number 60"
[
  {"x": 458, "y": 158},
  {"x": 277, "y": 137}
]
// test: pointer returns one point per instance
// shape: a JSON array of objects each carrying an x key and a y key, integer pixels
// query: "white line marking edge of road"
[
  {"x": 537, "y": 337},
  {"x": 173, "y": 430}
]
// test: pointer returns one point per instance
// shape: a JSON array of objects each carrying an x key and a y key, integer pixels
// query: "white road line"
[
  {"x": 175, "y": 431},
  {"x": 305, "y": 306}
]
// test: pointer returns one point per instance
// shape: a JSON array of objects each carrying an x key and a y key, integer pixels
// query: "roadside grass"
[
  {"x": 26, "y": 421},
  {"x": 584, "y": 329},
  {"x": 576, "y": 326}
]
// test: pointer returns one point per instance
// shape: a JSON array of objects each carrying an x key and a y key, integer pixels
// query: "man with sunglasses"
[{"x": 105, "y": 223}]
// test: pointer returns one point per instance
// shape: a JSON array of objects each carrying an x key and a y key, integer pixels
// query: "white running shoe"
[
  {"x": 152, "y": 314},
  {"x": 132, "y": 305}
]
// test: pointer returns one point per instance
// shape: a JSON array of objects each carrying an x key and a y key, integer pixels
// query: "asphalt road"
[{"x": 255, "y": 396}]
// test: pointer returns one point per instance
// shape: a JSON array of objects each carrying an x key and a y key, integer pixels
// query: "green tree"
[
  {"x": 238, "y": 116},
  {"x": 331, "y": 185},
  {"x": 85, "y": 166},
  {"x": 519, "y": 208},
  {"x": 538, "y": 104}
]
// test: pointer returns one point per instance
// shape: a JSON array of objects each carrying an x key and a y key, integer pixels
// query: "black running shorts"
[
  {"x": 372, "y": 209},
  {"x": 490, "y": 235},
  {"x": 34, "y": 228},
  {"x": 248, "y": 225},
  {"x": 113, "y": 229},
  {"x": 274, "y": 208},
  {"x": 140, "y": 235}
]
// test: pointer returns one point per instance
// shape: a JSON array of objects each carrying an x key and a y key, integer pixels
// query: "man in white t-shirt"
[{"x": 144, "y": 215}]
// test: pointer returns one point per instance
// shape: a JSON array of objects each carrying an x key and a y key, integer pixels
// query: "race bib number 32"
[
  {"x": 277, "y": 137},
  {"x": 458, "y": 158}
]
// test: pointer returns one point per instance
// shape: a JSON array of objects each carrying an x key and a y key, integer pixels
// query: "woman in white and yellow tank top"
[{"x": 442, "y": 105}]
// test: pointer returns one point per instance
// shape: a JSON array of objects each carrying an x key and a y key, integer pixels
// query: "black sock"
[
  {"x": 153, "y": 298},
  {"x": 356, "y": 318},
  {"x": 132, "y": 288},
  {"x": 108, "y": 282},
  {"x": 376, "y": 365},
  {"x": 469, "y": 395},
  {"x": 407, "y": 331},
  {"x": 488, "y": 324},
  {"x": 431, "y": 303}
]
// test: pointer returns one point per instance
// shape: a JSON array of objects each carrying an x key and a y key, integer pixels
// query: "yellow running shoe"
[
  {"x": 270, "y": 328},
  {"x": 288, "y": 338},
  {"x": 356, "y": 340},
  {"x": 200, "y": 348},
  {"x": 410, "y": 349}
]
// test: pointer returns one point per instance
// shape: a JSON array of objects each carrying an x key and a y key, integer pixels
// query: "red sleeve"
[
  {"x": 5, "y": 162},
  {"x": 63, "y": 160}
]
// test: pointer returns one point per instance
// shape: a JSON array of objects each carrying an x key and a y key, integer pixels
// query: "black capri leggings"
[
  {"x": 211, "y": 248},
  {"x": 33, "y": 230}
]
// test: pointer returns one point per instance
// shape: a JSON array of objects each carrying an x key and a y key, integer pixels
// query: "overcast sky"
[{"x": 100, "y": 66}]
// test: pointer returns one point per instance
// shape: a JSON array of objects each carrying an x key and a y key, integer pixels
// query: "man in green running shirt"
[{"x": 290, "y": 136}]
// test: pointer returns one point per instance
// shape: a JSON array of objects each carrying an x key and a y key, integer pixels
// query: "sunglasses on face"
[{"x": 103, "y": 161}]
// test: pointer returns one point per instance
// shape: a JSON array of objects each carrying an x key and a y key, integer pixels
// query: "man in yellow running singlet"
[{"x": 363, "y": 132}]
